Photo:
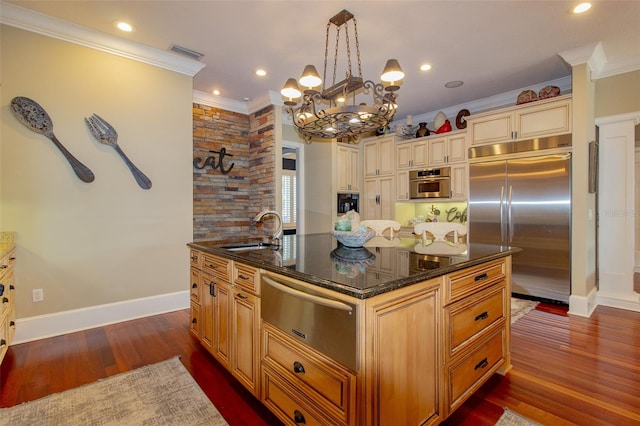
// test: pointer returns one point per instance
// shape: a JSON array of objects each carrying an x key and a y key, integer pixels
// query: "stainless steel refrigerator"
[{"x": 520, "y": 195}]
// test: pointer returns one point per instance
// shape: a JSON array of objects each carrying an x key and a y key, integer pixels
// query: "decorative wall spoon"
[{"x": 34, "y": 117}]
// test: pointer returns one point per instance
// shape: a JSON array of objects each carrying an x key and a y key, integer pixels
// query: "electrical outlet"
[{"x": 37, "y": 295}]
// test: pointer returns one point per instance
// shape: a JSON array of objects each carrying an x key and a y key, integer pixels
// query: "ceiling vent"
[{"x": 186, "y": 52}]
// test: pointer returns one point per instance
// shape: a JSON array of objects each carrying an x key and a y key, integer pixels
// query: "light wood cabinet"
[
  {"x": 7, "y": 302},
  {"x": 402, "y": 356},
  {"x": 301, "y": 385},
  {"x": 541, "y": 118},
  {"x": 348, "y": 169},
  {"x": 476, "y": 321},
  {"x": 379, "y": 198},
  {"x": 379, "y": 157},
  {"x": 225, "y": 314}
]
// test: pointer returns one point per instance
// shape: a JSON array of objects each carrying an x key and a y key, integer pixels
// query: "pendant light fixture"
[{"x": 320, "y": 112}]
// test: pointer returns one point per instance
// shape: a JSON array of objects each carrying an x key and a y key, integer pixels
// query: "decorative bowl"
[{"x": 354, "y": 239}]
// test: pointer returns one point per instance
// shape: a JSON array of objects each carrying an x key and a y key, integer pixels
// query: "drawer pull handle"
[
  {"x": 242, "y": 277},
  {"x": 481, "y": 364},
  {"x": 194, "y": 321},
  {"x": 242, "y": 296},
  {"x": 3, "y": 266},
  {"x": 194, "y": 285},
  {"x": 481, "y": 277},
  {"x": 298, "y": 368},
  {"x": 212, "y": 289},
  {"x": 482, "y": 316},
  {"x": 212, "y": 266},
  {"x": 298, "y": 418},
  {"x": 3, "y": 342},
  {"x": 194, "y": 258},
  {"x": 5, "y": 300},
  {"x": 11, "y": 287},
  {"x": 12, "y": 323}
]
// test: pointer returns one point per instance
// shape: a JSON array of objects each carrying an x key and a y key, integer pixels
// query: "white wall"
[{"x": 89, "y": 244}]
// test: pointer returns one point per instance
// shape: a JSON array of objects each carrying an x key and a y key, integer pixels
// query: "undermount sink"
[{"x": 250, "y": 246}]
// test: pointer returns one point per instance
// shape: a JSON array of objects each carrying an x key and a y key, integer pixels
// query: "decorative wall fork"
[{"x": 106, "y": 134}]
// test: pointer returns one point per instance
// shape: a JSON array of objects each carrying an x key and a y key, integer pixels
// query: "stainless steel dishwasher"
[{"x": 327, "y": 325}]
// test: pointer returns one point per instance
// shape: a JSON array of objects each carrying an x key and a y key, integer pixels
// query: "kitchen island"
[{"x": 397, "y": 332}]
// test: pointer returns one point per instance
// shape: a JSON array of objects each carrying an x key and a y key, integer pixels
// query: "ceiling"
[{"x": 492, "y": 46}]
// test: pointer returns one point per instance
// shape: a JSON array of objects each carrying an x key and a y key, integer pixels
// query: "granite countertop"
[{"x": 381, "y": 266}]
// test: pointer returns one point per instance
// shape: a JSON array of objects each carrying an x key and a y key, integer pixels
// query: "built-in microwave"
[
  {"x": 430, "y": 183},
  {"x": 347, "y": 202}
]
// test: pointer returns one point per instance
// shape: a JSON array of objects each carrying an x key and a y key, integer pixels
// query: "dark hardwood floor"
[{"x": 566, "y": 370}]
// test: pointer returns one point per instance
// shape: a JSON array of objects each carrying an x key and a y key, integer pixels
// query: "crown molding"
[
  {"x": 39, "y": 23},
  {"x": 220, "y": 102},
  {"x": 492, "y": 102},
  {"x": 595, "y": 57}
]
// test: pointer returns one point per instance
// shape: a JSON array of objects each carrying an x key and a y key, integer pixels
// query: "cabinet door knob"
[
  {"x": 194, "y": 321},
  {"x": 298, "y": 418},
  {"x": 298, "y": 368}
]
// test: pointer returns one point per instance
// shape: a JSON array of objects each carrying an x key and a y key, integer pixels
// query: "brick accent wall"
[{"x": 224, "y": 204}]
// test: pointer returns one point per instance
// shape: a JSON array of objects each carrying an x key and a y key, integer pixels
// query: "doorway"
[{"x": 292, "y": 188}]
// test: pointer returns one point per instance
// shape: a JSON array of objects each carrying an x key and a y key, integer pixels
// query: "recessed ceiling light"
[
  {"x": 261, "y": 73},
  {"x": 216, "y": 92},
  {"x": 425, "y": 67},
  {"x": 582, "y": 7},
  {"x": 453, "y": 84},
  {"x": 124, "y": 26}
]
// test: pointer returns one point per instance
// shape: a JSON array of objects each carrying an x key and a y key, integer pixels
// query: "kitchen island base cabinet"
[
  {"x": 300, "y": 385},
  {"x": 7, "y": 302},
  {"x": 225, "y": 314},
  {"x": 402, "y": 356}
]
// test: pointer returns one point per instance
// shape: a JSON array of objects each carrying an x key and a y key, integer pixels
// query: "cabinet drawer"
[
  {"x": 468, "y": 319},
  {"x": 471, "y": 280},
  {"x": 216, "y": 266},
  {"x": 195, "y": 285},
  {"x": 196, "y": 258},
  {"x": 280, "y": 398},
  {"x": 328, "y": 384},
  {"x": 246, "y": 277},
  {"x": 194, "y": 325},
  {"x": 466, "y": 376}
]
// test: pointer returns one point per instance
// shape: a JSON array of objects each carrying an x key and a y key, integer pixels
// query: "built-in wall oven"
[{"x": 430, "y": 183}]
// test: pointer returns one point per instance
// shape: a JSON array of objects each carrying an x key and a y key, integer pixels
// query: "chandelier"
[{"x": 321, "y": 112}]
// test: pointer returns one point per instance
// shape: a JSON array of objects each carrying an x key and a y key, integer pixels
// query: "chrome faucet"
[{"x": 260, "y": 217}]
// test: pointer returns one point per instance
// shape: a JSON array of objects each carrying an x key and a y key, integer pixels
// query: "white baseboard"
[
  {"x": 43, "y": 326},
  {"x": 630, "y": 301},
  {"x": 583, "y": 305}
]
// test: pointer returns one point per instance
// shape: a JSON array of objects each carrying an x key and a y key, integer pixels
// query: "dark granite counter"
[{"x": 381, "y": 266}]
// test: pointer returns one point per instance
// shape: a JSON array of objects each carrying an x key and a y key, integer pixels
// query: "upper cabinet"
[
  {"x": 347, "y": 171},
  {"x": 379, "y": 155},
  {"x": 541, "y": 118},
  {"x": 450, "y": 148},
  {"x": 432, "y": 151},
  {"x": 411, "y": 155}
]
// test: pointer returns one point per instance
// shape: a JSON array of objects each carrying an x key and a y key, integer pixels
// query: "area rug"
[
  {"x": 519, "y": 307},
  {"x": 157, "y": 394},
  {"x": 509, "y": 418}
]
